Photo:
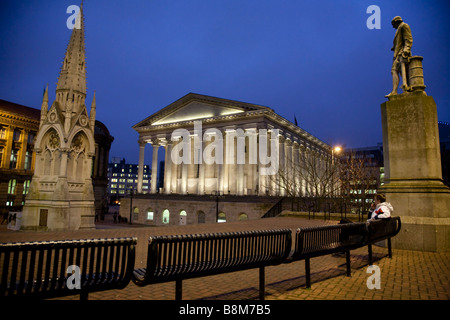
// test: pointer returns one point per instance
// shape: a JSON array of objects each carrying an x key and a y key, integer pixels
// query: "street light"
[{"x": 131, "y": 202}]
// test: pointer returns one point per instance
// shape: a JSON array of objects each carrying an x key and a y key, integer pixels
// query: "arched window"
[
  {"x": 222, "y": 217},
  {"x": 243, "y": 216},
  {"x": 201, "y": 218},
  {"x": 165, "y": 216},
  {"x": 136, "y": 214},
  {"x": 150, "y": 214},
  {"x": 183, "y": 217}
]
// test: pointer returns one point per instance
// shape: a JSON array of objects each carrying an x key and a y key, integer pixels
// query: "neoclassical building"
[{"x": 219, "y": 146}]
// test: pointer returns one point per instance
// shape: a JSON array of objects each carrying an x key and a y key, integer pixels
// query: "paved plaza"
[{"x": 409, "y": 275}]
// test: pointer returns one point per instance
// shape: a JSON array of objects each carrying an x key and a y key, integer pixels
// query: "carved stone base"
[{"x": 413, "y": 172}]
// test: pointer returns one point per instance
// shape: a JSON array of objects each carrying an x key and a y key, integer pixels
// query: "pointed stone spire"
[
  {"x": 44, "y": 106},
  {"x": 93, "y": 112},
  {"x": 73, "y": 70}
]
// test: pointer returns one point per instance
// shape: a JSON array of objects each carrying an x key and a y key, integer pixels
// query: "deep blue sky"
[{"x": 315, "y": 59}]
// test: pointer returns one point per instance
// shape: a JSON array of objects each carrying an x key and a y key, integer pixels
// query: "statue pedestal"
[{"x": 413, "y": 174}]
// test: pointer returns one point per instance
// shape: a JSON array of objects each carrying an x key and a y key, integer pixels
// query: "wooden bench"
[
  {"x": 175, "y": 258},
  {"x": 41, "y": 269},
  {"x": 382, "y": 229},
  {"x": 322, "y": 240}
]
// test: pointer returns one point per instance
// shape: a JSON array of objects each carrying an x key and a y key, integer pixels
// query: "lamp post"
[
  {"x": 131, "y": 203},
  {"x": 334, "y": 151}
]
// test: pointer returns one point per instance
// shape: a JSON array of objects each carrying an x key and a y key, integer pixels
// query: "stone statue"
[{"x": 402, "y": 52}]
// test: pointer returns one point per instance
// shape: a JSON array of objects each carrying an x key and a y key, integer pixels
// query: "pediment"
[
  {"x": 196, "y": 107},
  {"x": 197, "y": 110}
]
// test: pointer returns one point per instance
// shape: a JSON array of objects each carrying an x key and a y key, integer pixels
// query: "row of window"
[
  {"x": 130, "y": 175},
  {"x": 16, "y": 135},
  {"x": 201, "y": 217},
  {"x": 12, "y": 184},
  {"x": 14, "y": 156},
  {"x": 114, "y": 180}
]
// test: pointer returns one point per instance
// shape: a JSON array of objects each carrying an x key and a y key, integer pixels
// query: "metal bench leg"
[
  {"x": 262, "y": 283},
  {"x": 389, "y": 247},
  {"x": 347, "y": 262},
  {"x": 308, "y": 273},
  {"x": 84, "y": 295},
  {"x": 178, "y": 289},
  {"x": 370, "y": 254}
]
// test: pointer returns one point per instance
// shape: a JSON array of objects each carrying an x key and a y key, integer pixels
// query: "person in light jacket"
[{"x": 380, "y": 209}]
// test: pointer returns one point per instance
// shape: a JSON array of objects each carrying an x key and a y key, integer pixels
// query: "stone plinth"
[{"x": 413, "y": 174}]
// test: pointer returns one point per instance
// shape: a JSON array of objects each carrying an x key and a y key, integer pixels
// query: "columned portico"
[{"x": 231, "y": 148}]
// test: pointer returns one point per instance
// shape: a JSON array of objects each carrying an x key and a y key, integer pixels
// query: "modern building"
[
  {"x": 361, "y": 176},
  {"x": 123, "y": 179}
]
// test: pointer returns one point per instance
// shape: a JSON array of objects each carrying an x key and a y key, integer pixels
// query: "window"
[
  {"x": 26, "y": 186},
  {"x": 201, "y": 217},
  {"x": 12, "y": 186},
  {"x": 16, "y": 135},
  {"x": 13, "y": 159},
  {"x": 1, "y": 155},
  {"x": 243, "y": 216},
  {"x": 28, "y": 158},
  {"x": 165, "y": 216},
  {"x": 31, "y": 137},
  {"x": 150, "y": 214},
  {"x": 221, "y": 218},
  {"x": 2, "y": 133},
  {"x": 135, "y": 214}
]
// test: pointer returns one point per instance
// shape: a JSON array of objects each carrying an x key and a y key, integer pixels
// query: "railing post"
[
  {"x": 347, "y": 262},
  {"x": 308, "y": 273},
  {"x": 262, "y": 283},
  {"x": 178, "y": 289},
  {"x": 389, "y": 247}
]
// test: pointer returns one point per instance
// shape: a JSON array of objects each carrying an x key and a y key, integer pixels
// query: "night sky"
[{"x": 316, "y": 60}]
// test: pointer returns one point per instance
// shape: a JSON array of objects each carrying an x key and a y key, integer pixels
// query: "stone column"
[
  {"x": 262, "y": 182},
  {"x": 201, "y": 173},
  {"x": 295, "y": 168},
  {"x": 141, "y": 164},
  {"x": 154, "y": 175},
  {"x": 226, "y": 166},
  {"x": 281, "y": 177},
  {"x": 168, "y": 168},
  {"x": 289, "y": 181}
]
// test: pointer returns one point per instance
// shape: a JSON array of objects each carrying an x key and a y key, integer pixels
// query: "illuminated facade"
[
  {"x": 61, "y": 195},
  {"x": 18, "y": 128},
  {"x": 246, "y": 133}
]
